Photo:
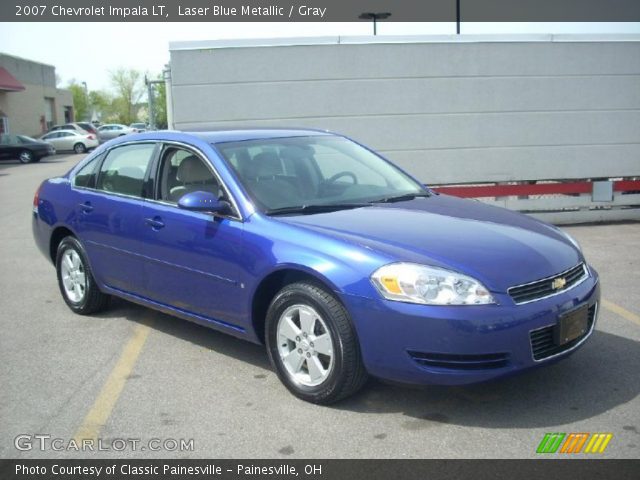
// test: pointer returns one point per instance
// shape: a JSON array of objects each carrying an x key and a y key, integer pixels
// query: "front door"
[{"x": 195, "y": 258}]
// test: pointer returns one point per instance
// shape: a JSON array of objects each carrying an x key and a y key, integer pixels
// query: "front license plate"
[{"x": 571, "y": 325}]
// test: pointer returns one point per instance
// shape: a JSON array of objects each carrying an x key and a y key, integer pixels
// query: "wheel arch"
[
  {"x": 275, "y": 281},
  {"x": 57, "y": 235}
]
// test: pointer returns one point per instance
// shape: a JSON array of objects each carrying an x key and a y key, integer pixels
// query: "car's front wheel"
[
  {"x": 75, "y": 279},
  {"x": 312, "y": 344}
]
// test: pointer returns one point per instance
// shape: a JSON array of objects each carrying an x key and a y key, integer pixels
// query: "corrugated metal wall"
[{"x": 450, "y": 110}]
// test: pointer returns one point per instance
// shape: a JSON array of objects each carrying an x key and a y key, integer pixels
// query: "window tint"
[
  {"x": 183, "y": 172},
  {"x": 86, "y": 175},
  {"x": 124, "y": 169}
]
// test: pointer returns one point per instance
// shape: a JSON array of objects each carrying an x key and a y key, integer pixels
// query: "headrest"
[
  {"x": 192, "y": 169},
  {"x": 266, "y": 163},
  {"x": 296, "y": 153}
]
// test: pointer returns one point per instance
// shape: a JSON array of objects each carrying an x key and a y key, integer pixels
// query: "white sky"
[{"x": 88, "y": 51}]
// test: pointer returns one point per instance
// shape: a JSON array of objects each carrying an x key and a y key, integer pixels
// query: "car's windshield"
[
  {"x": 283, "y": 173},
  {"x": 26, "y": 139}
]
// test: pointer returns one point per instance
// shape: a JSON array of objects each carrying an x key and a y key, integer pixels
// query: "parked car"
[
  {"x": 69, "y": 126},
  {"x": 71, "y": 140},
  {"x": 342, "y": 263},
  {"x": 139, "y": 127},
  {"x": 111, "y": 131},
  {"x": 23, "y": 148}
]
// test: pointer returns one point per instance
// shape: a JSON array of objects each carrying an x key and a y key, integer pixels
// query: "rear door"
[
  {"x": 195, "y": 258},
  {"x": 109, "y": 216}
]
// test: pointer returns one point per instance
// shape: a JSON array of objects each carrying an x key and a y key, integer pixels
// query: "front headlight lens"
[{"x": 410, "y": 282}]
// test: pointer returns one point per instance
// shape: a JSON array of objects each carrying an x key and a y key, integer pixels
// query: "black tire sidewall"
[
  {"x": 77, "y": 150},
  {"x": 73, "y": 243},
  {"x": 297, "y": 295}
]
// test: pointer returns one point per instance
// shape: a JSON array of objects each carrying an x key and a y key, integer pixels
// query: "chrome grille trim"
[{"x": 542, "y": 285}]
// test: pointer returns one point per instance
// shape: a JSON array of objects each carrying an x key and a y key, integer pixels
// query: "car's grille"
[
  {"x": 460, "y": 362},
  {"x": 548, "y": 286},
  {"x": 543, "y": 346}
]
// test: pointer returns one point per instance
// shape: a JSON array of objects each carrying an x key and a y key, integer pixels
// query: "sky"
[{"x": 87, "y": 52}]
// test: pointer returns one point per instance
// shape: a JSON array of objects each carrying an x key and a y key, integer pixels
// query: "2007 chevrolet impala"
[{"x": 343, "y": 264}]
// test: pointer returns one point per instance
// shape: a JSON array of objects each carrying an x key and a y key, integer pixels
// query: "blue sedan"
[{"x": 340, "y": 262}]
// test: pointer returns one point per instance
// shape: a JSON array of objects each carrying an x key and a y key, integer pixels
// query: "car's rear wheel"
[
  {"x": 312, "y": 344},
  {"x": 79, "y": 148},
  {"x": 26, "y": 156},
  {"x": 75, "y": 279}
]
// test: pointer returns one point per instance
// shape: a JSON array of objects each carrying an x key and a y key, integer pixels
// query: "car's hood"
[{"x": 497, "y": 246}]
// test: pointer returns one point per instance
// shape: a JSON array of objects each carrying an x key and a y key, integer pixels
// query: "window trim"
[{"x": 237, "y": 213}]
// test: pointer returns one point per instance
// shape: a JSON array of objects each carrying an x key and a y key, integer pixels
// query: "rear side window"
[
  {"x": 124, "y": 169},
  {"x": 86, "y": 176}
]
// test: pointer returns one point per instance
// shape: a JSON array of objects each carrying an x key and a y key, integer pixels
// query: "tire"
[
  {"x": 86, "y": 298},
  {"x": 36, "y": 159},
  {"x": 309, "y": 372},
  {"x": 26, "y": 156},
  {"x": 79, "y": 148}
]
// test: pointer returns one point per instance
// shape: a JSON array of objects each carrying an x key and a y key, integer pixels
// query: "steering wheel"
[{"x": 338, "y": 175}]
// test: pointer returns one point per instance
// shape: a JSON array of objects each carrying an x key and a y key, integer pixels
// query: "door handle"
[
  {"x": 154, "y": 223},
  {"x": 86, "y": 207}
]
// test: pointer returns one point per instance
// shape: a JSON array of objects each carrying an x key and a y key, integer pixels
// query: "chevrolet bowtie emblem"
[{"x": 559, "y": 283}]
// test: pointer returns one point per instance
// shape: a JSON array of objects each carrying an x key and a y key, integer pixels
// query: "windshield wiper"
[
  {"x": 314, "y": 208},
  {"x": 402, "y": 198}
]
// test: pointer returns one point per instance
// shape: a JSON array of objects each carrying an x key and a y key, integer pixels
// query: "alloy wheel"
[
  {"x": 73, "y": 276},
  {"x": 305, "y": 345}
]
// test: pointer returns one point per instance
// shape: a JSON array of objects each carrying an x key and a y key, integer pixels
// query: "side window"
[
  {"x": 86, "y": 176},
  {"x": 124, "y": 169},
  {"x": 183, "y": 172}
]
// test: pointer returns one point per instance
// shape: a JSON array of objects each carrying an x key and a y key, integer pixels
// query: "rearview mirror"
[{"x": 203, "y": 202}]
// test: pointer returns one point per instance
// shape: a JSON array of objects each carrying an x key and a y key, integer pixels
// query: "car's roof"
[{"x": 241, "y": 134}]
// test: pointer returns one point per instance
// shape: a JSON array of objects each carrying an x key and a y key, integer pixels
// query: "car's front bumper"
[{"x": 462, "y": 344}]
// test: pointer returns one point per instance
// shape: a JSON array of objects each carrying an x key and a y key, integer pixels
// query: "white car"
[
  {"x": 71, "y": 140},
  {"x": 113, "y": 130}
]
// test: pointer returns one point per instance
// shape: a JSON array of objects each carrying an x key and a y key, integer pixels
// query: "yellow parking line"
[
  {"x": 623, "y": 312},
  {"x": 103, "y": 405}
]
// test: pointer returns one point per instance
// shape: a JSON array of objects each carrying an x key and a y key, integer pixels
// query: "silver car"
[
  {"x": 79, "y": 142},
  {"x": 112, "y": 130}
]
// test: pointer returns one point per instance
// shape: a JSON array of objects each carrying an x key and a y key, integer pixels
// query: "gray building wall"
[
  {"x": 450, "y": 109},
  {"x": 26, "y": 109}
]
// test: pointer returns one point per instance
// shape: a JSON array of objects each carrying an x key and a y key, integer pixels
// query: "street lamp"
[
  {"x": 375, "y": 17},
  {"x": 86, "y": 96}
]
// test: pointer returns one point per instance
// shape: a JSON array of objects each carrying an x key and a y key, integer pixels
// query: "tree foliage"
[{"x": 128, "y": 86}]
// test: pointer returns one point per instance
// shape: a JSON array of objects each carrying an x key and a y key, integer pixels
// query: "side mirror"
[{"x": 203, "y": 202}]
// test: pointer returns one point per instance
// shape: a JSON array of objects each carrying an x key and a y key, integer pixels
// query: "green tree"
[
  {"x": 128, "y": 86},
  {"x": 80, "y": 100},
  {"x": 161, "y": 105}
]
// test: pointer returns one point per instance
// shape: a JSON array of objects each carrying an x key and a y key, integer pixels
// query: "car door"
[
  {"x": 54, "y": 139},
  {"x": 195, "y": 257},
  {"x": 66, "y": 140},
  {"x": 109, "y": 216}
]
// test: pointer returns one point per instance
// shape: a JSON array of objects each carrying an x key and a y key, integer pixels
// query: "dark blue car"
[{"x": 341, "y": 263}]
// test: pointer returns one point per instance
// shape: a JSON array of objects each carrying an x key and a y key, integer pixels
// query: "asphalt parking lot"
[{"x": 132, "y": 373}]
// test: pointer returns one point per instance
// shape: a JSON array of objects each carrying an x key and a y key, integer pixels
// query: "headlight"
[
  {"x": 410, "y": 282},
  {"x": 571, "y": 239}
]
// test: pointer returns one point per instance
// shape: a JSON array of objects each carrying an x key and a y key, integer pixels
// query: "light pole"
[
  {"x": 458, "y": 17},
  {"x": 375, "y": 17},
  {"x": 86, "y": 97}
]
